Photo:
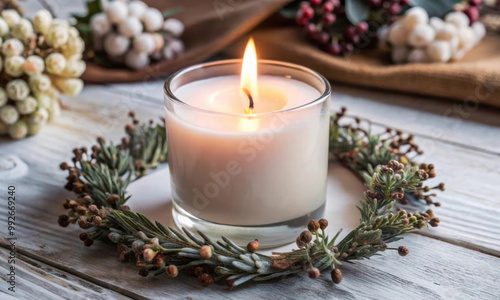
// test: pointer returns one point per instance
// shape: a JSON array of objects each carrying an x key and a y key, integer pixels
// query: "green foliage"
[
  {"x": 357, "y": 10},
  {"x": 436, "y": 8}
]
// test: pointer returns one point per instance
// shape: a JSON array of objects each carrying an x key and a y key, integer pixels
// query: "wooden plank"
[
  {"x": 470, "y": 204},
  {"x": 35, "y": 279},
  {"x": 62, "y": 8},
  {"x": 99, "y": 111},
  {"x": 433, "y": 269}
]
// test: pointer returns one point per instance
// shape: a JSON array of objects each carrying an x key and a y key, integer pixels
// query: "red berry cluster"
[
  {"x": 472, "y": 10},
  {"x": 321, "y": 18}
]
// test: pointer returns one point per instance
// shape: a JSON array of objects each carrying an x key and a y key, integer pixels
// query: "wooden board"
[
  {"x": 443, "y": 263},
  {"x": 36, "y": 279},
  {"x": 434, "y": 268}
]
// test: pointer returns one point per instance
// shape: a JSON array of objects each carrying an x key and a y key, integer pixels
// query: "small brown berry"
[
  {"x": 403, "y": 251},
  {"x": 206, "y": 252},
  {"x": 313, "y": 226},
  {"x": 172, "y": 271},
  {"x": 63, "y": 220},
  {"x": 306, "y": 237},
  {"x": 97, "y": 220},
  {"x": 64, "y": 166},
  {"x": 314, "y": 273},
  {"x": 300, "y": 243},
  {"x": 129, "y": 128},
  {"x": 323, "y": 223},
  {"x": 253, "y": 246},
  {"x": 336, "y": 276},
  {"x": 206, "y": 279},
  {"x": 434, "y": 222},
  {"x": 83, "y": 236},
  {"x": 88, "y": 242},
  {"x": 143, "y": 272}
]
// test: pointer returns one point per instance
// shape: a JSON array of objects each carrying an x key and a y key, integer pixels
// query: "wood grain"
[
  {"x": 435, "y": 268},
  {"x": 35, "y": 279}
]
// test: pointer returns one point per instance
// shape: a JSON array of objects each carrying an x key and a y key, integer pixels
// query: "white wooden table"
[{"x": 457, "y": 260}]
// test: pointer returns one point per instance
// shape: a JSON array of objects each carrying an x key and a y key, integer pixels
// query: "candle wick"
[{"x": 250, "y": 99}]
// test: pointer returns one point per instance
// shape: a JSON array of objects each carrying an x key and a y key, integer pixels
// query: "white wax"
[{"x": 248, "y": 170}]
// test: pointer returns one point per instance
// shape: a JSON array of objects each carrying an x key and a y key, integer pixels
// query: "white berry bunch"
[
  {"x": 416, "y": 38},
  {"x": 39, "y": 59},
  {"x": 131, "y": 33}
]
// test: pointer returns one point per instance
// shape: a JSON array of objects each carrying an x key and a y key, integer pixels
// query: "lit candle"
[{"x": 247, "y": 152}]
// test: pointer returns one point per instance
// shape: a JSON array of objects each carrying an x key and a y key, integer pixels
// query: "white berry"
[
  {"x": 14, "y": 65},
  {"x": 116, "y": 11},
  {"x": 174, "y": 26},
  {"x": 447, "y": 32},
  {"x": 74, "y": 68},
  {"x": 436, "y": 23},
  {"x": 57, "y": 34},
  {"x": 55, "y": 63},
  {"x": 459, "y": 19},
  {"x": 130, "y": 27},
  {"x": 9, "y": 114},
  {"x": 17, "y": 89},
  {"x": 23, "y": 30},
  {"x": 421, "y": 35},
  {"x": 27, "y": 106},
  {"x": 39, "y": 83},
  {"x": 74, "y": 45},
  {"x": 40, "y": 116},
  {"x": 44, "y": 100},
  {"x": 11, "y": 16},
  {"x": 383, "y": 37},
  {"x": 69, "y": 86},
  {"x": 152, "y": 19},
  {"x": 159, "y": 41},
  {"x": 3, "y": 97},
  {"x": 415, "y": 16},
  {"x": 417, "y": 55},
  {"x": 54, "y": 110},
  {"x": 479, "y": 30},
  {"x": 137, "y": 8},
  {"x": 398, "y": 35},
  {"x": 42, "y": 20},
  {"x": 136, "y": 60},
  {"x": 116, "y": 45},
  {"x": 99, "y": 24},
  {"x": 12, "y": 47},
  {"x": 144, "y": 43},
  {"x": 467, "y": 38},
  {"x": 439, "y": 51},
  {"x": 34, "y": 65},
  {"x": 4, "y": 27},
  {"x": 19, "y": 130}
]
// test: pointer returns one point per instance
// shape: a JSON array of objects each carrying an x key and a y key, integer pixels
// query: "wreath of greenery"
[{"x": 386, "y": 162}]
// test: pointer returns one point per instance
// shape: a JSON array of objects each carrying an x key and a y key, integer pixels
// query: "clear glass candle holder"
[{"x": 248, "y": 176}]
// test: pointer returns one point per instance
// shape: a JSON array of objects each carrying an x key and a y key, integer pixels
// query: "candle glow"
[{"x": 249, "y": 76}]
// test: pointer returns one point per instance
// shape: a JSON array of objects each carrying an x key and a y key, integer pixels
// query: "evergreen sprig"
[{"x": 384, "y": 161}]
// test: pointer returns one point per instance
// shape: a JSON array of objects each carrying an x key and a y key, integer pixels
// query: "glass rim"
[{"x": 167, "y": 90}]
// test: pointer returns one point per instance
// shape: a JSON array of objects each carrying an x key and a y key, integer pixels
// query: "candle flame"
[{"x": 249, "y": 74}]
